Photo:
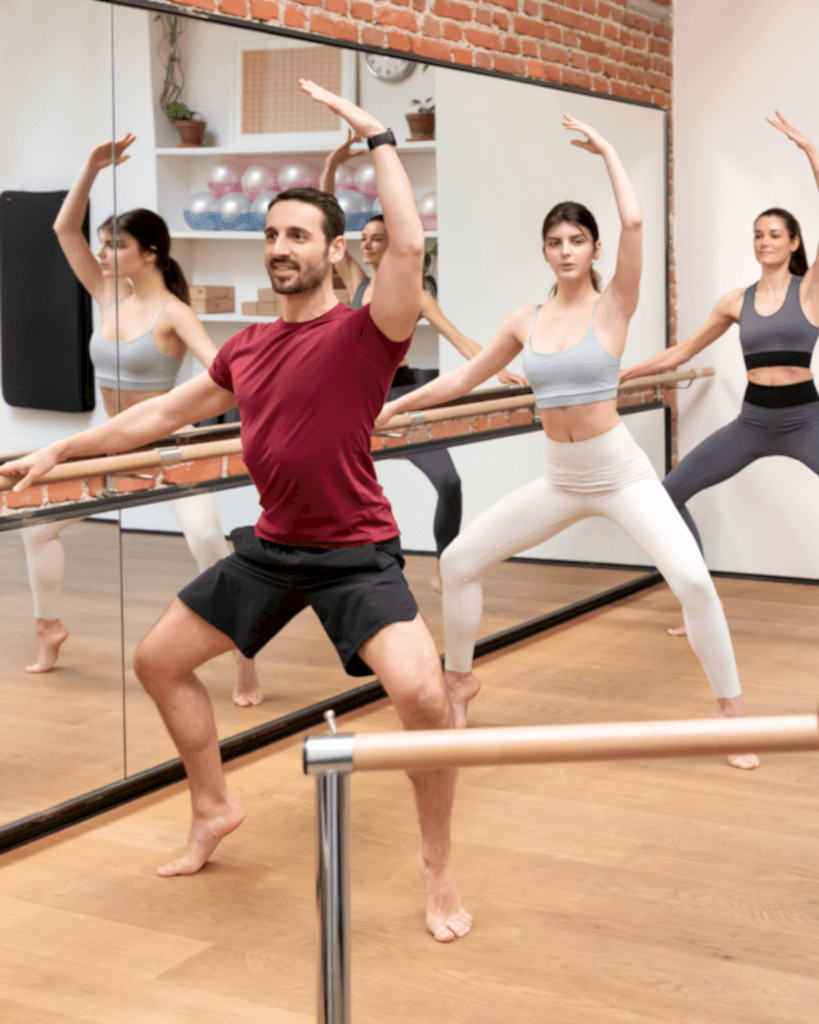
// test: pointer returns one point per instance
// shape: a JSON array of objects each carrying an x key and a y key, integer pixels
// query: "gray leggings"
[{"x": 755, "y": 433}]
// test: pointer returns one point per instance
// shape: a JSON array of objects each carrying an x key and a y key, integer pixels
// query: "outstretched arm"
[
  {"x": 466, "y": 346},
  {"x": 725, "y": 313},
  {"x": 144, "y": 422},
  {"x": 348, "y": 269},
  {"x": 68, "y": 225},
  {"x": 396, "y": 299},
  {"x": 501, "y": 350},
  {"x": 810, "y": 151},
  {"x": 625, "y": 285}
]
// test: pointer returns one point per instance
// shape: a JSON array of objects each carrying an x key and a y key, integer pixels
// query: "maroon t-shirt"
[{"x": 308, "y": 394}]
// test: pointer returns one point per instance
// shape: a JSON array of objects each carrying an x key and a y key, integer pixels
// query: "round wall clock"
[{"x": 388, "y": 69}]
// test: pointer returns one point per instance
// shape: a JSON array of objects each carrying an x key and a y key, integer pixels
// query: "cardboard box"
[
  {"x": 212, "y": 291},
  {"x": 250, "y": 309},
  {"x": 269, "y": 309},
  {"x": 267, "y": 295},
  {"x": 213, "y": 305}
]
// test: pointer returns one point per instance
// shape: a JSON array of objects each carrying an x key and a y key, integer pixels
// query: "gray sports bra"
[
  {"x": 586, "y": 372},
  {"x": 358, "y": 299},
  {"x": 785, "y": 338},
  {"x": 142, "y": 367}
]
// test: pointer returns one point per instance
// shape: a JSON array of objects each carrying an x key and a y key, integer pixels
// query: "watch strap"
[{"x": 381, "y": 139}]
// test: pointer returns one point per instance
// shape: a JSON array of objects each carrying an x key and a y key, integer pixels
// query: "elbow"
[{"x": 633, "y": 222}]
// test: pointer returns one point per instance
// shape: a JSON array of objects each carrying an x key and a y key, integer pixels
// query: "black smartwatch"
[{"x": 380, "y": 140}]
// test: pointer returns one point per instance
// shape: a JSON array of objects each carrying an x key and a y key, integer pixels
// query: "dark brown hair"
[
  {"x": 799, "y": 261},
  {"x": 573, "y": 213},
  {"x": 333, "y": 215},
  {"x": 151, "y": 235}
]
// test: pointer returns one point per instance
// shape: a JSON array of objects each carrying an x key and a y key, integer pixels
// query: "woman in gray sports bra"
[
  {"x": 156, "y": 326},
  {"x": 571, "y": 351},
  {"x": 778, "y": 321}
]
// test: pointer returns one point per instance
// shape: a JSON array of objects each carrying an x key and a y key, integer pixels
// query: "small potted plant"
[
  {"x": 421, "y": 121},
  {"x": 191, "y": 127}
]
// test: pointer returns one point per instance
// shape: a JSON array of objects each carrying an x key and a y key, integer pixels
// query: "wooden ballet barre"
[
  {"x": 460, "y": 748},
  {"x": 111, "y": 465},
  {"x": 456, "y": 412}
]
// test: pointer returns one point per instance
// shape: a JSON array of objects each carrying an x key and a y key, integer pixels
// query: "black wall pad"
[{"x": 45, "y": 313}]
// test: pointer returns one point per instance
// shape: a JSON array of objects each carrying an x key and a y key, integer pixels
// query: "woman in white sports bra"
[
  {"x": 571, "y": 355},
  {"x": 157, "y": 327}
]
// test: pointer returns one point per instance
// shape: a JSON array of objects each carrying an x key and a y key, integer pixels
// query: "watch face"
[{"x": 389, "y": 69}]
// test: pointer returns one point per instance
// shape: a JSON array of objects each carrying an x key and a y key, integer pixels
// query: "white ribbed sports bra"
[{"x": 142, "y": 366}]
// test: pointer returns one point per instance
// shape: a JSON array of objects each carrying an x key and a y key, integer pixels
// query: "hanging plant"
[{"x": 171, "y": 56}]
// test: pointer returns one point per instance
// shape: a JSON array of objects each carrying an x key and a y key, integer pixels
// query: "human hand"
[
  {"x": 505, "y": 377},
  {"x": 383, "y": 418},
  {"x": 362, "y": 123},
  {"x": 802, "y": 141},
  {"x": 594, "y": 141},
  {"x": 343, "y": 152},
  {"x": 30, "y": 468},
  {"x": 101, "y": 157}
]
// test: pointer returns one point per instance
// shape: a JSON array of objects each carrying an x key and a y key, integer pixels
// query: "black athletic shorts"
[{"x": 252, "y": 594}]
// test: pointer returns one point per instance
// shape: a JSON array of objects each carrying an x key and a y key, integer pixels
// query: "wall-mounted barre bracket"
[{"x": 333, "y": 753}]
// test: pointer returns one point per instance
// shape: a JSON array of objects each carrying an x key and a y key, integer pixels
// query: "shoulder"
[
  {"x": 730, "y": 304},
  {"x": 520, "y": 320}
]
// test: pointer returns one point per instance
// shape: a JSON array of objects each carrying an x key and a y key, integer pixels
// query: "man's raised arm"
[{"x": 144, "y": 422}]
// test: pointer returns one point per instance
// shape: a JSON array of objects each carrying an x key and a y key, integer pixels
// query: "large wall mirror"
[{"x": 498, "y": 161}]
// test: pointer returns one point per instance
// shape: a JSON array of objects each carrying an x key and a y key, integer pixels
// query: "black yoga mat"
[{"x": 45, "y": 313}]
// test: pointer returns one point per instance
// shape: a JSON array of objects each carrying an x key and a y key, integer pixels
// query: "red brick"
[
  {"x": 590, "y": 7},
  {"x": 126, "y": 484},
  {"x": 264, "y": 10},
  {"x": 479, "y": 424},
  {"x": 638, "y": 41},
  {"x": 510, "y": 65},
  {"x": 417, "y": 434},
  {"x": 399, "y": 41},
  {"x": 615, "y": 52},
  {"x": 398, "y": 19},
  {"x": 511, "y": 45},
  {"x": 554, "y": 54},
  {"x": 664, "y": 31},
  {"x": 64, "y": 490},
  {"x": 609, "y": 69},
  {"x": 396, "y": 442},
  {"x": 95, "y": 485},
  {"x": 236, "y": 466},
  {"x": 488, "y": 40},
  {"x": 531, "y": 8},
  {"x": 449, "y": 428},
  {"x": 603, "y": 10},
  {"x": 636, "y": 21},
  {"x": 529, "y": 48},
  {"x": 452, "y": 9},
  {"x": 570, "y": 38},
  {"x": 609, "y": 32},
  {"x": 624, "y": 37},
  {"x": 562, "y": 17},
  {"x": 501, "y": 19},
  {"x": 483, "y": 17},
  {"x": 637, "y": 60},
  {"x": 337, "y": 29},
  {"x": 336, "y": 6},
  {"x": 594, "y": 64},
  {"x": 497, "y": 421},
  {"x": 294, "y": 17},
  {"x": 662, "y": 65},
  {"x": 574, "y": 4},
  {"x": 28, "y": 498},
  {"x": 236, "y": 7},
  {"x": 529, "y": 27},
  {"x": 430, "y": 48},
  {"x": 593, "y": 26},
  {"x": 553, "y": 33},
  {"x": 193, "y": 472},
  {"x": 662, "y": 100},
  {"x": 659, "y": 46},
  {"x": 659, "y": 81},
  {"x": 461, "y": 56},
  {"x": 519, "y": 417},
  {"x": 510, "y": 5},
  {"x": 575, "y": 78},
  {"x": 432, "y": 28},
  {"x": 482, "y": 60},
  {"x": 377, "y": 444},
  {"x": 203, "y": 5},
  {"x": 452, "y": 32},
  {"x": 601, "y": 85},
  {"x": 361, "y": 11},
  {"x": 592, "y": 45},
  {"x": 372, "y": 36},
  {"x": 578, "y": 61}
]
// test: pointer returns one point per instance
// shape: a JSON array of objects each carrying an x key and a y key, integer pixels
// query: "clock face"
[{"x": 389, "y": 69}]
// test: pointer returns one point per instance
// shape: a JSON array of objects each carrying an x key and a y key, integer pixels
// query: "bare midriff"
[
  {"x": 580, "y": 422},
  {"x": 126, "y": 399},
  {"x": 779, "y": 376}
]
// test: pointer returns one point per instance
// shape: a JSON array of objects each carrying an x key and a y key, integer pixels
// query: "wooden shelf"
[
  {"x": 256, "y": 236},
  {"x": 220, "y": 151}
]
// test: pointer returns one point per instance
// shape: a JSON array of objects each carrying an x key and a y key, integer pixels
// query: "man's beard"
[{"x": 307, "y": 279}]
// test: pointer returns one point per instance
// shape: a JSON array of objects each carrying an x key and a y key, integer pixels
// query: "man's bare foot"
[
  {"x": 205, "y": 835},
  {"x": 246, "y": 692},
  {"x": 461, "y": 687},
  {"x": 50, "y": 634},
  {"x": 446, "y": 918},
  {"x": 734, "y": 707}
]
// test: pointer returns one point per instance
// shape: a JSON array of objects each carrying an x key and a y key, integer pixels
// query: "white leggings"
[
  {"x": 198, "y": 516},
  {"x": 629, "y": 494}
]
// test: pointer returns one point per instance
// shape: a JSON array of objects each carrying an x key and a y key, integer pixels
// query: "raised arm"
[
  {"x": 187, "y": 326},
  {"x": 810, "y": 151},
  {"x": 502, "y": 348},
  {"x": 466, "y": 346},
  {"x": 725, "y": 313},
  {"x": 348, "y": 269},
  {"x": 68, "y": 225},
  {"x": 624, "y": 288},
  {"x": 396, "y": 299},
  {"x": 144, "y": 422}
]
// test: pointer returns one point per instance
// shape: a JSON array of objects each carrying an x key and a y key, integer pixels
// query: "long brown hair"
[
  {"x": 151, "y": 235},
  {"x": 799, "y": 260}
]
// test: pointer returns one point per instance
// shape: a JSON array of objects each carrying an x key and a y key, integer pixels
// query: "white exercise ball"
[
  {"x": 365, "y": 180},
  {"x": 231, "y": 205},
  {"x": 257, "y": 179},
  {"x": 224, "y": 178},
  {"x": 201, "y": 202},
  {"x": 352, "y": 202},
  {"x": 297, "y": 175}
]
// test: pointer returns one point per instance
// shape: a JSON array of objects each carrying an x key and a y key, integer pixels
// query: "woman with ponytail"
[
  {"x": 145, "y": 328},
  {"x": 778, "y": 321}
]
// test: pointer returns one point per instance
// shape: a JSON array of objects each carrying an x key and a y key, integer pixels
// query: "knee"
[
  {"x": 695, "y": 587},
  {"x": 454, "y": 571},
  {"x": 449, "y": 487},
  {"x": 428, "y": 708},
  {"x": 147, "y": 662}
]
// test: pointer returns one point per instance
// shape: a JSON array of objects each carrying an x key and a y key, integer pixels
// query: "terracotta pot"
[
  {"x": 191, "y": 132},
  {"x": 421, "y": 126}
]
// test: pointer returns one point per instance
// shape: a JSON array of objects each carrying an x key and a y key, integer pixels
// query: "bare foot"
[
  {"x": 677, "y": 631},
  {"x": 461, "y": 687},
  {"x": 446, "y": 918},
  {"x": 246, "y": 692},
  {"x": 50, "y": 634},
  {"x": 205, "y": 835},
  {"x": 734, "y": 707}
]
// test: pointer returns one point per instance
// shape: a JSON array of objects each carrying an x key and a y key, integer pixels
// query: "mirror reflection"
[{"x": 481, "y": 189}]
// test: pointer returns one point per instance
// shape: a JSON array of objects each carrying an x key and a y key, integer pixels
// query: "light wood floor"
[
  {"x": 63, "y": 733},
  {"x": 644, "y": 892}
]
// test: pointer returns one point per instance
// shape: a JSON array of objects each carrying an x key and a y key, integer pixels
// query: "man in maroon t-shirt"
[{"x": 309, "y": 388}]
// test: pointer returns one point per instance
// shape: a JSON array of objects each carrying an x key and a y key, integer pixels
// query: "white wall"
[{"x": 735, "y": 64}]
